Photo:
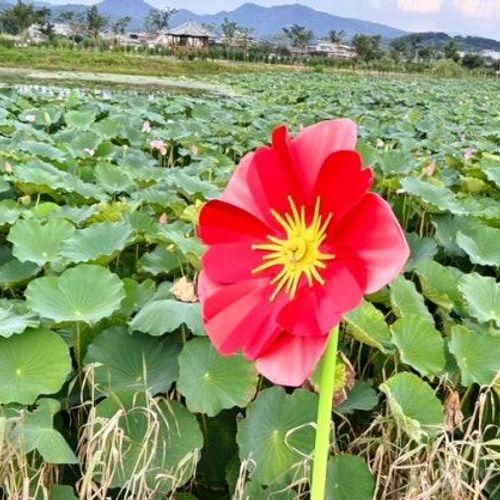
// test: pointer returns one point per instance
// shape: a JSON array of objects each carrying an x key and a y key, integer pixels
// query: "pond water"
[{"x": 103, "y": 83}]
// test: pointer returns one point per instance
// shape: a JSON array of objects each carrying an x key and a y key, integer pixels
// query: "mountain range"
[
  {"x": 438, "y": 40},
  {"x": 268, "y": 21},
  {"x": 264, "y": 22}
]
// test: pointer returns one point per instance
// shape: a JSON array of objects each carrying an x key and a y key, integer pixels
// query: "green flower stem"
[{"x": 326, "y": 393}]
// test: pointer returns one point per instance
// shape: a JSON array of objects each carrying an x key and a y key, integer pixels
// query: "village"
[{"x": 189, "y": 36}]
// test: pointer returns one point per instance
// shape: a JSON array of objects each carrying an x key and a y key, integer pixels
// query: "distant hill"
[
  {"x": 269, "y": 21},
  {"x": 464, "y": 43}
]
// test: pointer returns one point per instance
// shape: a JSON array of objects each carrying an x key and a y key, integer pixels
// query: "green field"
[
  {"x": 58, "y": 59},
  {"x": 103, "y": 356}
]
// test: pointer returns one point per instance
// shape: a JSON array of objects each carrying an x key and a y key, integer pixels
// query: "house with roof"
[
  {"x": 334, "y": 50},
  {"x": 189, "y": 34}
]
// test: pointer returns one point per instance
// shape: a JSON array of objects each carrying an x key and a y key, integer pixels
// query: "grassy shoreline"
[
  {"x": 44, "y": 58},
  {"x": 87, "y": 61}
]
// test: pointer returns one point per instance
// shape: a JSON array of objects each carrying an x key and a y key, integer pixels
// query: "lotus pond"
[{"x": 109, "y": 387}]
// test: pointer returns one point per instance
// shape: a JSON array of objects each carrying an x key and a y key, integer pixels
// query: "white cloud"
[
  {"x": 421, "y": 6},
  {"x": 479, "y": 8}
]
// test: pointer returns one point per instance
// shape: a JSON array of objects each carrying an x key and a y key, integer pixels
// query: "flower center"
[{"x": 299, "y": 253}]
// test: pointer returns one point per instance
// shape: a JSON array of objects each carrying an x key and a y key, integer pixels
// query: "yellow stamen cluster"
[{"x": 299, "y": 253}]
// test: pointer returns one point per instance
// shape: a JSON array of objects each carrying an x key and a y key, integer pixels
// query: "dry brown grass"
[
  {"x": 104, "y": 443},
  {"x": 22, "y": 477},
  {"x": 454, "y": 465}
]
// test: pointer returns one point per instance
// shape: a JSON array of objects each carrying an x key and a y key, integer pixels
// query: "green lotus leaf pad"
[{"x": 85, "y": 293}]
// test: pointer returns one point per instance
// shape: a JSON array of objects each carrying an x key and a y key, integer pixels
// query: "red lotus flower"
[{"x": 295, "y": 242}]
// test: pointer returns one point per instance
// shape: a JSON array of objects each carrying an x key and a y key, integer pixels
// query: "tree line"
[
  {"x": 409, "y": 48},
  {"x": 17, "y": 19}
]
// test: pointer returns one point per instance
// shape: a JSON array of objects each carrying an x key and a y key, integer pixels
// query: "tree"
[
  {"x": 416, "y": 45},
  {"x": 211, "y": 27},
  {"x": 76, "y": 22},
  {"x": 230, "y": 31},
  {"x": 299, "y": 36},
  {"x": 95, "y": 22},
  {"x": 245, "y": 35},
  {"x": 336, "y": 36},
  {"x": 425, "y": 53},
  {"x": 158, "y": 19},
  {"x": 399, "y": 48},
  {"x": 473, "y": 61},
  {"x": 119, "y": 27},
  {"x": 368, "y": 47},
  {"x": 18, "y": 18},
  {"x": 451, "y": 51}
]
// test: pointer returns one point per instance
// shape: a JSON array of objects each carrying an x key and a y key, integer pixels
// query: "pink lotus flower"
[
  {"x": 468, "y": 153},
  {"x": 159, "y": 145},
  {"x": 146, "y": 127},
  {"x": 30, "y": 118}
]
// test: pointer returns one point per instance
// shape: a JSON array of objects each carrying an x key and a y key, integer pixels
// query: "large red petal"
[
  {"x": 342, "y": 182},
  {"x": 315, "y": 311},
  {"x": 221, "y": 222},
  {"x": 273, "y": 178},
  {"x": 371, "y": 233},
  {"x": 238, "y": 192},
  {"x": 342, "y": 292},
  {"x": 231, "y": 262},
  {"x": 206, "y": 287},
  {"x": 316, "y": 143},
  {"x": 238, "y": 314},
  {"x": 290, "y": 360},
  {"x": 300, "y": 316}
]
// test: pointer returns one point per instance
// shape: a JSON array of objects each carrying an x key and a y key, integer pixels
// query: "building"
[
  {"x": 333, "y": 50},
  {"x": 34, "y": 35},
  {"x": 63, "y": 29},
  {"x": 189, "y": 34}
]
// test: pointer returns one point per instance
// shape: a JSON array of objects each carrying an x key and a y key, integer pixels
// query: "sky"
[{"x": 473, "y": 17}]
